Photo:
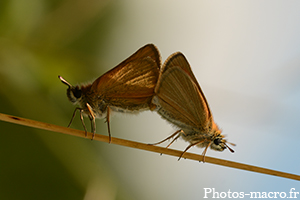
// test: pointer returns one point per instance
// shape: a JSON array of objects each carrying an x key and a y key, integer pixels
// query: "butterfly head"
[
  {"x": 74, "y": 93},
  {"x": 219, "y": 143}
]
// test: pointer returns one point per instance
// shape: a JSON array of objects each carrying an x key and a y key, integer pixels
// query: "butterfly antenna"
[
  {"x": 64, "y": 81},
  {"x": 230, "y": 149}
]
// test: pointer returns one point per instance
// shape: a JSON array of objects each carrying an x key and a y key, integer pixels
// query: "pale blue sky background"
[{"x": 245, "y": 55}]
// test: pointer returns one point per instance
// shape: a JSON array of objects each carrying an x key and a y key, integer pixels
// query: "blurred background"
[{"x": 245, "y": 55}]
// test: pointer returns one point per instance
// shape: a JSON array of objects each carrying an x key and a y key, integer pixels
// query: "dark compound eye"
[
  {"x": 217, "y": 141},
  {"x": 77, "y": 92}
]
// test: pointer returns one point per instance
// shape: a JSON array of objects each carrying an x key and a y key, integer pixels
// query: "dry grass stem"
[{"x": 138, "y": 145}]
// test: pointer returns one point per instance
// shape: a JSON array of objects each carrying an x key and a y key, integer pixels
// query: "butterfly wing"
[
  {"x": 178, "y": 60},
  {"x": 180, "y": 100},
  {"x": 131, "y": 84}
]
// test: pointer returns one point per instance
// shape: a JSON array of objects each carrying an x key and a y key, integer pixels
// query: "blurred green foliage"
[{"x": 40, "y": 40}]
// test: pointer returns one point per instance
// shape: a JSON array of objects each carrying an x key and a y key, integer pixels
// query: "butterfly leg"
[
  {"x": 174, "y": 138},
  {"x": 107, "y": 121},
  {"x": 73, "y": 116},
  {"x": 194, "y": 144},
  {"x": 171, "y": 136},
  {"x": 81, "y": 118},
  {"x": 204, "y": 152},
  {"x": 93, "y": 120},
  {"x": 188, "y": 147},
  {"x": 177, "y": 132}
]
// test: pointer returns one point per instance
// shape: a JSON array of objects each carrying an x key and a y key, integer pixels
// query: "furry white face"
[
  {"x": 212, "y": 138},
  {"x": 74, "y": 94},
  {"x": 218, "y": 144}
]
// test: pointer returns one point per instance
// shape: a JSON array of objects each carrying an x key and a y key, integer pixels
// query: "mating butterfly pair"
[{"x": 140, "y": 83}]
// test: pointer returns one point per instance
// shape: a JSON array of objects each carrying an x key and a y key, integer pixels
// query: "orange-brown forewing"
[
  {"x": 179, "y": 60},
  {"x": 130, "y": 85},
  {"x": 181, "y": 101}
]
